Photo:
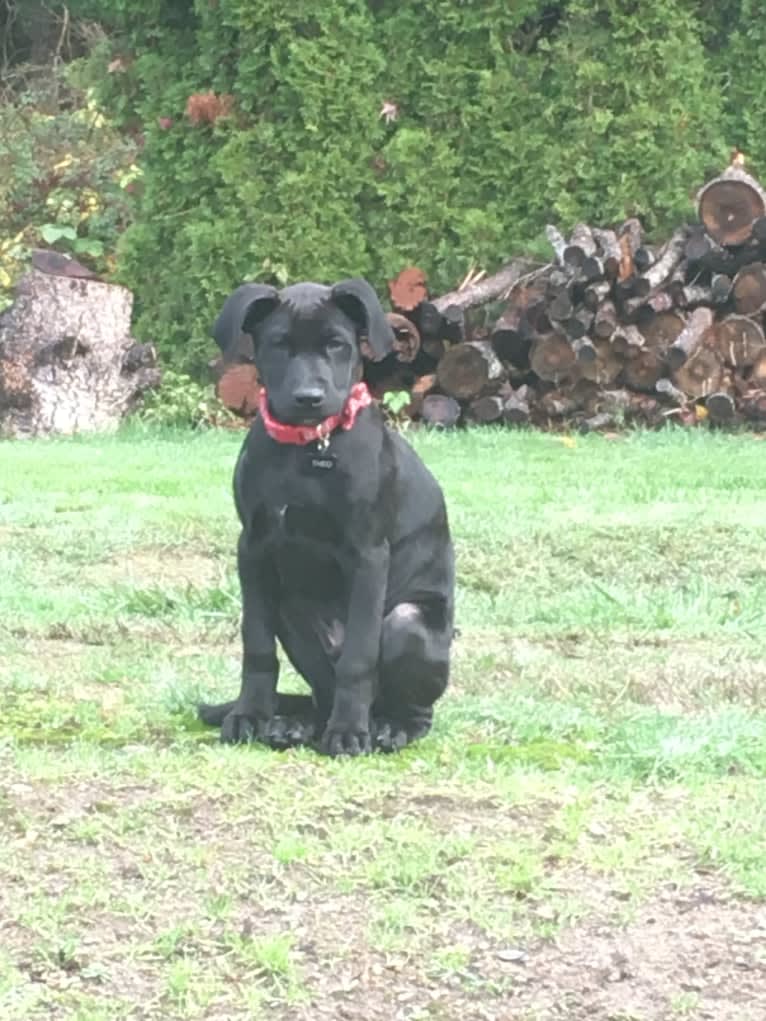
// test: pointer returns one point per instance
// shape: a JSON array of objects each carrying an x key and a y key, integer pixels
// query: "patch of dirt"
[
  {"x": 158, "y": 567},
  {"x": 698, "y": 954},
  {"x": 138, "y": 869}
]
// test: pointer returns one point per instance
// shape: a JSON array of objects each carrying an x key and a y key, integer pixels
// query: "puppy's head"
[{"x": 307, "y": 342}]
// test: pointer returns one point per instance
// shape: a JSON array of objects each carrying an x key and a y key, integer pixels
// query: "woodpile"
[{"x": 613, "y": 330}]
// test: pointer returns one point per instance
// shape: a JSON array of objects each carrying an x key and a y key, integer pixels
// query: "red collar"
[{"x": 358, "y": 398}]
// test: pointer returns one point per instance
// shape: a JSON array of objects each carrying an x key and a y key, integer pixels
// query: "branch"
[{"x": 490, "y": 287}]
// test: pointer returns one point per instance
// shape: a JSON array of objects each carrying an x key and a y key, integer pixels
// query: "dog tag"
[{"x": 319, "y": 461}]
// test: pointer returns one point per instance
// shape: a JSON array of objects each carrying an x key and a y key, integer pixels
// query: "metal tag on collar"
[{"x": 323, "y": 438}]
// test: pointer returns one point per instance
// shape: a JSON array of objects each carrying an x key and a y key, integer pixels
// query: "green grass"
[{"x": 603, "y": 740}]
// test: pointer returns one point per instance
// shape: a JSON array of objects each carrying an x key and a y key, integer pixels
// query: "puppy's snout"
[{"x": 309, "y": 397}]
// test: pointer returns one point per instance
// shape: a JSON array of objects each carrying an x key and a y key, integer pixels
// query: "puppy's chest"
[
  {"x": 303, "y": 510},
  {"x": 298, "y": 524}
]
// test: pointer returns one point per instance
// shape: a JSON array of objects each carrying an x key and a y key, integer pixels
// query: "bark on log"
[
  {"x": 643, "y": 309},
  {"x": 628, "y": 340},
  {"x": 632, "y": 287},
  {"x": 611, "y": 254},
  {"x": 239, "y": 389},
  {"x": 490, "y": 287},
  {"x": 467, "y": 370},
  {"x": 605, "y": 320},
  {"x": 668, "y": 389},
  {"x": 670, "y": 257},
  {"x": 595, "y": 294},
  {"x": 559, "y": 303},
  {"x": 699, "y": 244},
  {"x": 516, "y": 407},
  {"x": 690, "y": 338},
  {"x": 729, "y": 205},
  {"x": 557, "y": 242},
  {"x": 512, "y": 335},
  {"x": 63, "y": 364},
  {"x": 643, "y": 258},
  {"x": 749, "y": 289},
  {"x": 720, "y": 288},
  {"x": 440, "y": 410},
  {"x": 740, "y": 341},
  {"x": 581, "y": 247},
  {"x": 584, "y": 350},
  {"x": 453, "y": 324},
  {"x": 578, "y": 324}
]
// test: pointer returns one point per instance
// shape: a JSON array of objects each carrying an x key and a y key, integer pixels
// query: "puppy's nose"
[{"x": 309, "y": 397}]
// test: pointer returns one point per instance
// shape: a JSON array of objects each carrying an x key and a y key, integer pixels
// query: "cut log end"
[
  {"x": 408, "y": 289},
  {"x": 440, "y": 411},
  {"x": 466, "y": 370},
  {"x": 740, "y": 341},
  {"x": 749, "y": 289},
  {"x": 406, "y": 337},
  {"x": 720, "y": 407},
  {"x": 239, "y": 390},
  {"x": 729, "y": 205},
  {"x": 552, "y": 358}
]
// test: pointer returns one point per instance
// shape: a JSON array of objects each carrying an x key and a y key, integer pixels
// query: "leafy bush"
[
  {"x": 181, "y": 402},
  {"x": 355, "y": 136},
  {"x": 64, "y": 174}
]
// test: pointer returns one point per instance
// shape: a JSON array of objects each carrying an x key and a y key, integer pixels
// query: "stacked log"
[{"x": 613, "y": 330}]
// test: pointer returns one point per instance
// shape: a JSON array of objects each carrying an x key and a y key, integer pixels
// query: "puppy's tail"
[
  {"x": 287, "y": 705},
  {"x": 213, "y": 715}
]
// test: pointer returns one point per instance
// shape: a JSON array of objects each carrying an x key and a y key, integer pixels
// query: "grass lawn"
[{"x": 582, "y": 836}]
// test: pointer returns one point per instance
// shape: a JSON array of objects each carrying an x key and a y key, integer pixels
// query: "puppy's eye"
[{"x": 333, "y": 344}]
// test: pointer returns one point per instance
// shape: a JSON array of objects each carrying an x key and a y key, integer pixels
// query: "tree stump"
[{"x": 68, "y": 363}]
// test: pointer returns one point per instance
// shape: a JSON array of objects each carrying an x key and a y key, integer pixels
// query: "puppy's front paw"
[
  {"x": 238, "y": 728},
  {"x": 288, "y": 732},
  {"x": 341, "y": 741},
  {"x": 393, "y": 735}
]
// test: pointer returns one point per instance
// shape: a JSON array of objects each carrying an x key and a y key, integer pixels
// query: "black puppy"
[{"x": 345, "y": 553}]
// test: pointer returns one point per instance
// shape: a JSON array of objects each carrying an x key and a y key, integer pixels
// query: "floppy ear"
[
  {"x": 360, "y": 303},
  {"x": 241, "y": 312}
]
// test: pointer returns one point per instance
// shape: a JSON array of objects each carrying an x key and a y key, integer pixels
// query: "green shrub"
[
  {"x": 181, "y": 402},
  {"x": 64, "y": 173},
  {"x": 266, "y": 155}
]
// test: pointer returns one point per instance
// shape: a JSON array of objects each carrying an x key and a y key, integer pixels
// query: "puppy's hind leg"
[{"x": 414, "y": 672}]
